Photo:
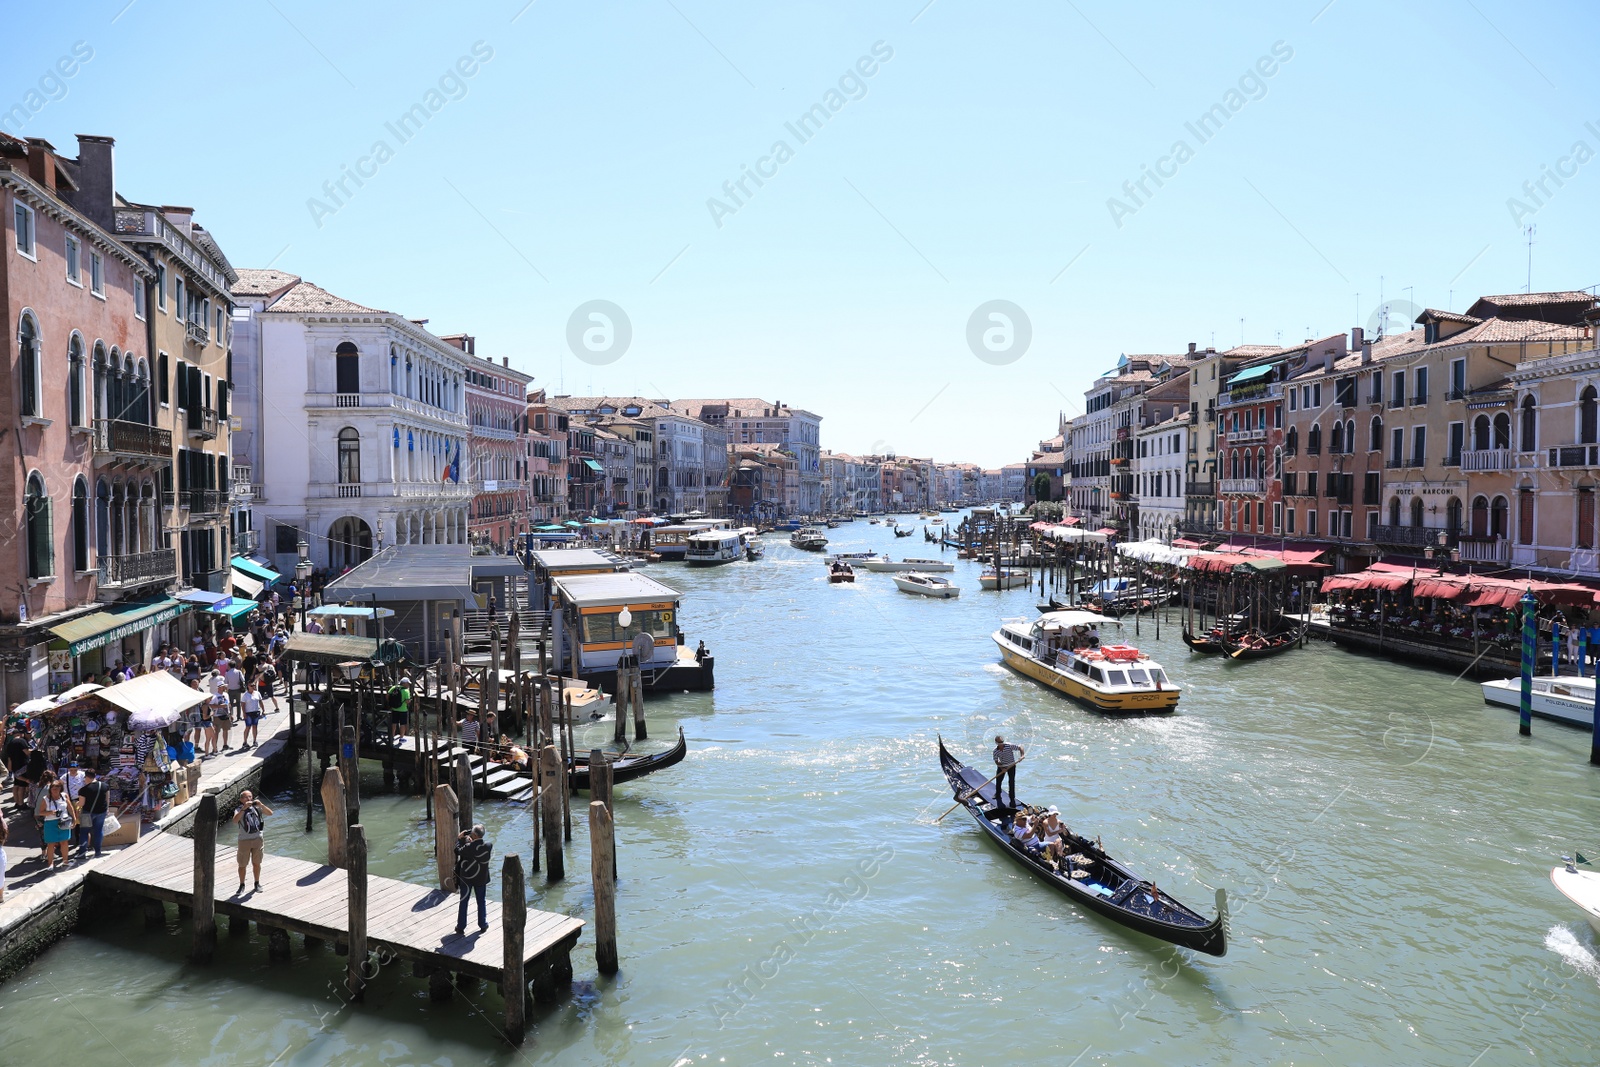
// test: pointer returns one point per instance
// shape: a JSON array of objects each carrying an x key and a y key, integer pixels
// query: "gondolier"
[{"x": 1005, "y": 764}]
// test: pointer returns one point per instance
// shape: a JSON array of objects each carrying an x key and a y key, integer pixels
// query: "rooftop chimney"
[
  {"x": 41, "y": 168},
  {"x": 505, "y": 361},
  {"x": 1366, "y": 352},
  {"x": 97, "y": 180},
  {"x": 181, "y": 217},
  {"x": 1191, "y": 348},
  {"x": 1356, "y": 335}
]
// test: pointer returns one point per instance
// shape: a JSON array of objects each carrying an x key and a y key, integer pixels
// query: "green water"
[{"x": 1384, "y": 836}]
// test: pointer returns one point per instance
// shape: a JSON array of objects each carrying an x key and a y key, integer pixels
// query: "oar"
[{"x": 962, "y": 799}]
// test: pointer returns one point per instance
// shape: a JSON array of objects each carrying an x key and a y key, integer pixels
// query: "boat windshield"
[
  {"x": 1158, "y": 676},
  {"x": 1138, "y": 677},
  {"x": 1116, "y": 677}
]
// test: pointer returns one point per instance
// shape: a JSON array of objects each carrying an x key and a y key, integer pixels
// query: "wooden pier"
[{"x": 408, "y": 921}]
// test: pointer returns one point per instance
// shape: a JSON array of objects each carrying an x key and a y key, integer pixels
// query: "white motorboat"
[
  {"x": 852, "y": 558},
  {"x": 925, "y": 566},
  {"x": 1062, "y": 649},
  {"x": 926, "y": 585},
  {"x": 1582, "y": 888},
  {"x": 1564, "y": 698},
  {"x": 1003, "y": 579},
  {"x": 711, "y": 547},
  {"x": 809, "y": 538}
]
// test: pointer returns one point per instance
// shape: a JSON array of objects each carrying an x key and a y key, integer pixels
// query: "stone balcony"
[
  {"x": 1242, "y": 485},
  {"x": 138, "y": 568},
  {"x": 1488, "y": 459}
]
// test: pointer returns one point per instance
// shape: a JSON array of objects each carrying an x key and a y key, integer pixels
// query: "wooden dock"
[{"x": 409, "y": 921}]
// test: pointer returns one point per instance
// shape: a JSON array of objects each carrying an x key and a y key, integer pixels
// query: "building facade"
[
  {"x": 750, "y": 420},
  {"x": 358, "y": 436},
  {"x": 1558, "y": 477},
  {"x": 547, "y": 460},
  {"x": 497, "y": 444}
]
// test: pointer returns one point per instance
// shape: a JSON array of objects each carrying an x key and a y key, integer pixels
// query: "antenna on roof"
[
  {"x": 1241, "y": 330},
  {"x": 1530, "y": 230}
]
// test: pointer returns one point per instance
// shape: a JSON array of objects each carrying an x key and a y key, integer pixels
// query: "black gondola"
[
  {"x": 1282, "y": 641},
  {"x": 626, "y": 768},
  {"x": 1094, "y": 879},
  {"x": 1206, "y": 643}
]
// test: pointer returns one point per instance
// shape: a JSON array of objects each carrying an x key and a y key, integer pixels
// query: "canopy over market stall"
[{"x": 153, "y": 701}]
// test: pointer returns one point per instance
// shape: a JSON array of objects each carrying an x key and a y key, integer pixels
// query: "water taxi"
[
  {"x": 711, "y": 547},
  {"x": 672, "y": 542},
  {"x": 1566, "y": 698},
  {"x": 933, "y": 585},
  {"x": 1580, "y": 887},
  {"x": 1116, "y": 679},
  {"x": 1003, "y": 579},
  {"x": 926, "y": 566},
  {"x": 809, "y": 538},
  {"x": 852, "y": 557}
]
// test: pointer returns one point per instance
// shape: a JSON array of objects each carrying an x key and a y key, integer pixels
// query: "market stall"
[{"x": 136, "y": 728}]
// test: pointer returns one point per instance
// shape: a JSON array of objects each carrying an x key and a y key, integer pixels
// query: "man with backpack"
[
  {"x": 94, "y": 797},
  {"x": 249, "y": 817},
  {"x": 400, "y": 707}
]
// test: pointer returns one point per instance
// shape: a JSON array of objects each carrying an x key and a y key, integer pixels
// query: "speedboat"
[
  {"x": 884, "y": 563},
  {"x": 841, "y": 572},
  {"x": 854, "y": 558},
  {"x": 933, "y": 585},
  {"x": 1566, "y": 698},
  {"x": 1003, "y": 579},
  {"x": 1580, "y": 887},
  {"x": 1061, "y": 649},
  {"x": 809, "y": 538}
]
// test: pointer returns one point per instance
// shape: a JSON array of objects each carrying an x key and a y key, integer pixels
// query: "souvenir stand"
[{"x": 137, "y": 716}]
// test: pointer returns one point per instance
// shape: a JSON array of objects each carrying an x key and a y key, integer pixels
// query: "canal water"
[{"x": 786, "y": 894}]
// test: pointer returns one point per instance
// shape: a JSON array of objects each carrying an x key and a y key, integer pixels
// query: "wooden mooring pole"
[
  {"x": 464, "y": 791},
  {"x": 602, "y": 850},
  {"x": 356, "y": 882},
  {"x": 204, "y": 913},
  {"x": 513, "y": 920},
  {"x": 550, "y": 802},
  {"x": 444, "y": 836},
  {"x": 333, "y": 811}
]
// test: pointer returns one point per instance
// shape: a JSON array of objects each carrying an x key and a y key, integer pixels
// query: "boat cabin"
[
  {"x": 551, "y": 563},
  {"x": 596, "y": 618}
]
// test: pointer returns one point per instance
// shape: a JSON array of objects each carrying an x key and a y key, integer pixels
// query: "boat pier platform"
[{"x": 406, "y": 921}]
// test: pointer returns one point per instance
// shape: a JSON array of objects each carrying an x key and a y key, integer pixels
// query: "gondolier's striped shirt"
[{"x": 1006, "y": 755}]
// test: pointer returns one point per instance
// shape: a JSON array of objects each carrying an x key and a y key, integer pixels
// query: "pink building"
[{"x": 74, "y": 301}]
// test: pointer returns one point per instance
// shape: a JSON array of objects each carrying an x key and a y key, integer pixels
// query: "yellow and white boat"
[{"x": 1062, "y": 649}]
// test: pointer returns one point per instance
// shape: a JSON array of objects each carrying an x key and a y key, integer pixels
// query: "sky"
[{"x": 961, "y": 237}]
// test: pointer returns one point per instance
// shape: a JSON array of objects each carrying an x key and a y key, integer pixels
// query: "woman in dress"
[{"x": 57, "y": 816}]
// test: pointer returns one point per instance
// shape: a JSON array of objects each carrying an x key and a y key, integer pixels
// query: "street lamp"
[{"x": 302, "y": 577}]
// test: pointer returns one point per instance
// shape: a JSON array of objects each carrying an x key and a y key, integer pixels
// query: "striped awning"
[{"x": 113, "y": 624}]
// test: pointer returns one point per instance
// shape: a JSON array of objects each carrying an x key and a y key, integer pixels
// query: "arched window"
[
  {"x": 38, "y": 522},
  {"x": 349, "y": 456},
  {"x": 1499, "y": 516},
  {"x": 102, "y": 518},
  {"x": 1261, "y": 463},
  {"x": 346, "y": 368},
  {"x": 1587, "y": 428},
  {"x": 75, "y": 369},
  {"x": 80, "y": 524},
  {"x": 1502, "y": 431},
  {"x": 101, "y": 410},
  {"x": 1314, "y": 440},
  {"x": 1277, "y": 463},
  {"x": 1480, "y": 516},
  {"x": 1452, "y": 516},
  {"x": 1394, "y": 511},
  {"x": 1336, "y": 439},
  {"x": 1530, "y": 424},
  {"x": 1416, "y": 511},
  {"x": 1480, "y": 433},
  {"x": 1234, "y": 461},
  {"x": 28, "y": 367},
  {"x": 1291, "y": 441},
  {"x": 1375, "y": 435}
]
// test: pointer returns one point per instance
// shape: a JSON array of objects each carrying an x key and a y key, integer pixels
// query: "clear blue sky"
[{"x": 975, "y": 164}]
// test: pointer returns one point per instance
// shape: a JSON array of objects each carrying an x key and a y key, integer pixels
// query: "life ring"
[{"x": 1121, "y": 653}]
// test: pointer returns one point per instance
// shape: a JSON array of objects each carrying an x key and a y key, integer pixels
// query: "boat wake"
[{"x": 1578, "y": 950}]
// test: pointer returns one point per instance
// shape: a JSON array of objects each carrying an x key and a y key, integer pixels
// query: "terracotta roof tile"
[
  {"x": 255, "y": 282},
  {"x": 306, "y": 298}
]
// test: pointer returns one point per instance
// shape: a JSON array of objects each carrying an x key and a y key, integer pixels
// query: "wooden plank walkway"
[{"x": 411, "y": 921}]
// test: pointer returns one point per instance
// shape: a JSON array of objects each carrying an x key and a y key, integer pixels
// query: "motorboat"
[
  {"x": 1062, "y": 649},
  {"x": 1003, "y": 579},
  {"x": 1567, "y": 698},
  {"x": 754, "y": 549},
  {"x": 1085, "y": 874},
  {"x": 933, "y": 585},
  {"x": 1580, "y": 887},
  {"x": 712, "y": 547},
  {"x": 841, "y": 572},
  {"x": 885, "y": 564},
  {"x": 853, "y": 558},
  {"x": 809, "y": 538}
]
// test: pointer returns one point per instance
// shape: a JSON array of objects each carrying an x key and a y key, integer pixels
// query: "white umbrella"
[
  {"x": 77, "y": 691},
  {"x": 152, "y": 718},
  {"x": 36, "y": 706}
]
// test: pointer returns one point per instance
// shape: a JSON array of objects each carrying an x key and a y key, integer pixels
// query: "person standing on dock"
[
  {"x": 1006, "y": 758},
  {"x": 400, "y": 707},
  {"x": 472, "y": 875},
  {"x": 250, "y": 817},
  {"x": 95, "y": 796}
]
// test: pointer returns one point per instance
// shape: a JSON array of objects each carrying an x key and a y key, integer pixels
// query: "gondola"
[
  {"x": 626, "y": 768},
  {"x": 1282, "y": 641},
  {"x": 1096, "y": 881},
  {"x": 907, "y": 532},
  {"x": 1207, "y": 643}
]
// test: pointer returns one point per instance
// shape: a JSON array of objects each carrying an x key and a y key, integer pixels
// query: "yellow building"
[
  {"x": 190, "y": 320},
  {"x": 1558, "y": 462}
]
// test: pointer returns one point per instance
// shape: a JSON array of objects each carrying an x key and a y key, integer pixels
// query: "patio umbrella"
[
  {"x": 153, "y": 718},
  {"x": 77, "y": 691},
  {"x": 37, "y": 706}
]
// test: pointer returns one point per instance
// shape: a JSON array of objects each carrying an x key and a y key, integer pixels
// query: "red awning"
[
  {"x": 1069, "y": 521},
  {"x": 1107, "y": 531},
  {"x": 1445, "y": 587},
  {"x": 1216, "y": 562},
  {"x": 1184, "y": 542}
]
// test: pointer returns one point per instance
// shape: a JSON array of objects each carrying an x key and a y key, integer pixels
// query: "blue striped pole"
[
  {"x": 1530, "y": 652},
  {"x": 1594, "y": 739}
]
